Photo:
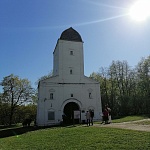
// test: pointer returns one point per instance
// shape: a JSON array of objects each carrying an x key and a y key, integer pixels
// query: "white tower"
[
  {"x": 68, "y": 90},
  {"x": 68, "y": 57}
]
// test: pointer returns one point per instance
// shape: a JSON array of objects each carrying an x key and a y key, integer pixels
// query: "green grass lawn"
[
  {"x": 78, "y": 138},
  {"x": 129, "y": 118},
  {"x": 144, "y": 122}
]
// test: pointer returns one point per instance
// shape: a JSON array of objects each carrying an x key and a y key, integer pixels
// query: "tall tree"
[
  {"x": 16, "y": 92},
  {"x": 143, "y": 75},
  {"x": 119, "y": 76}
]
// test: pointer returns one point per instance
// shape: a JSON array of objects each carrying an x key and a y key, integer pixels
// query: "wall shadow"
[
  {"x": 20, "y": 130},
  {"x": 16, "y": 131}
]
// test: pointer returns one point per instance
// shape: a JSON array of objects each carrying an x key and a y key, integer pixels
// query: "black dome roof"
[{"x": 71, "y": 35}]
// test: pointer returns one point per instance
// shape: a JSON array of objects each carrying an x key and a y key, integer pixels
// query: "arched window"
[
  {"x": 71, "y": 52},
  {"x": 90, "y": 92},
  {"x": 90, "y": 95},
  {"x": 51, "y": 96}
]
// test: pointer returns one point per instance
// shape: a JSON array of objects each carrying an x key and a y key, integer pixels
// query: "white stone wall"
[
  {"x": 63, "y": 84},
  {"x": 64, "y": 61},
  {"x": 62, "y": 95}
]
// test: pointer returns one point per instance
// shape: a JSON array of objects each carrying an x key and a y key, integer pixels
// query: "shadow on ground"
[
  {"x": 16, "y": 131},
  {"x": 21, "y": 130}
]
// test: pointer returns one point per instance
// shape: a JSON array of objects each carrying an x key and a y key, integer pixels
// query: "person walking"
[
  {"x": 105, "y": 113},
  {"x": 87, "y": 118},
  {"x": 102, "y": 117},
  {"x": 109, "y": 114},
  {"x": 92, "y": 116}
]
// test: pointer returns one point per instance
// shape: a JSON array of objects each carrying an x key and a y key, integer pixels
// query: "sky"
[{"x": 29, "y": 30}]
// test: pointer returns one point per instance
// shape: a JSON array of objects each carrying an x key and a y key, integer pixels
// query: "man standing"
[
  {"x": 109, "y": 114},
  {"x": 92, "y": 116},
  {"x": 87, "y": 118}
]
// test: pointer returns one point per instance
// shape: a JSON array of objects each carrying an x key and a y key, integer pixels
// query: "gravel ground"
[{"x": 132, "y": 125}]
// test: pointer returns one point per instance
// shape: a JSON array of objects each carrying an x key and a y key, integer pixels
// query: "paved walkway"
[{"x": 132, "y": 125}]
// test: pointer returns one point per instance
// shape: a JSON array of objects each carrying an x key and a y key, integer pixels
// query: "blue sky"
[{"x": 29, "y": 30}]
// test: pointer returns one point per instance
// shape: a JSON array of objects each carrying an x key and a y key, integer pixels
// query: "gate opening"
[{"x": 69, "y": 111}]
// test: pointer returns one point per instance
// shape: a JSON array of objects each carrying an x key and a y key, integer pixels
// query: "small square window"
[
  {"x": 51, "y": 115},
  {"x": 71, "y": 95}
]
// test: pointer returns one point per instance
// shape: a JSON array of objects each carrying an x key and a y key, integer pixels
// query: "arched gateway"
[
  {"x": 70, "y": 111},
  {"x": 68, "y": 92}
]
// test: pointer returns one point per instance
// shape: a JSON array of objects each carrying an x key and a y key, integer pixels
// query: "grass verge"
[
  {"x": 129, "y": 118},
  {"x": 147, "y": 122},
  {"x": 77, "y": 138}
]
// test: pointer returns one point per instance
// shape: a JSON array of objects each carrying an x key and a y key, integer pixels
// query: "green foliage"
[
  {"x": 78, "y": 138},
  {"x": 24, "y": 112},
  {"x": 21, "y": 113},
  {"x": 16, "y": 92},
  {"x": 126, "y": 90},
  {"x": 4, "y": 113}
]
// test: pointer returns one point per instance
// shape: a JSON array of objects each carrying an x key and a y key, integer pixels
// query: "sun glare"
[{"x": 140, "y": 11}]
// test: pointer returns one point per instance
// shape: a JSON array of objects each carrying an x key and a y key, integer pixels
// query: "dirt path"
[{"x": 132, "y": 125}]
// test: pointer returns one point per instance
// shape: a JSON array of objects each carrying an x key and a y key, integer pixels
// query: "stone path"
[{"x": 132, "y": 125}]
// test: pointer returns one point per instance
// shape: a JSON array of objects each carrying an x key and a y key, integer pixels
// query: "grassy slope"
[
  {"x": 129, "y": 118},
  {"x": 80, "y": 138},
  {"x": 70, "y": 138}
]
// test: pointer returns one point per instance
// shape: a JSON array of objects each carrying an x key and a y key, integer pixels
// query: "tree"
[
  {"x": 4, "y": 112},
  {"x": 16, "y": 92},
  {"x": 117, "y": 84},
  {"x": 25, "y": 112},
  {"x": 119, "y": 77},
  {"x": 102, "y": 78},
  {"x": 143, "y": 76}
]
